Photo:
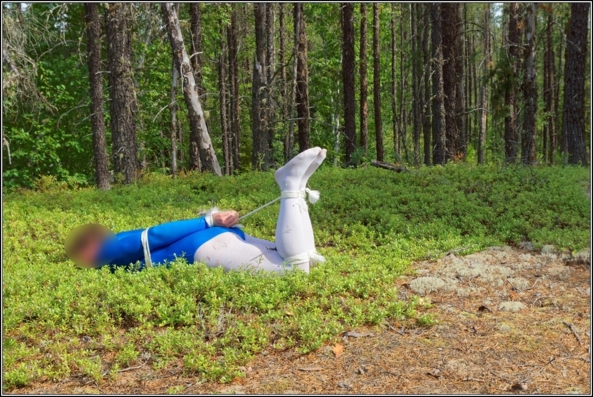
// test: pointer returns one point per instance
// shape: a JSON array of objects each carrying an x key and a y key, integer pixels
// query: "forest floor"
[{"x": 507, "y": 320}]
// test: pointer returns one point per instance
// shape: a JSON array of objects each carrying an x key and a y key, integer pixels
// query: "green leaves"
[{"x": 370, "y": 224}]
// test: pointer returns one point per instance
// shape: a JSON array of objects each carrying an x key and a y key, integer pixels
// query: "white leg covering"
[
  {"x": 232, "y": 253},
  {"x": 305, "y": 218}
]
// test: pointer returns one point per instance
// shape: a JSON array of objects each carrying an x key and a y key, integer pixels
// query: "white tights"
[{"x": 295, "y": 243}]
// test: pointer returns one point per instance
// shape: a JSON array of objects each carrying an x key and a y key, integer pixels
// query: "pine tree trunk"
[
  {"x": 364, "y": 110},
  {"x": 416, "y": 72},
  {"x": 438, "y": 94},
  {"x": 260, "y": 157},
  {"x": 426, "y": 77},
  {"x": 449, "y": 35},
  {"x": 511, "y": 136},
  {"x": 403, "y": 114},
  {"x": 461, "y": 137},
  {"x": 394, "y": 84},
  {"x": 302, "y": 92},
  {"x": 289, "y": 137},
  {"x": 234, "y": 86},
  {"x": 269, "y": 104},
  {"x": 190, "y": 92},
  {"x": 100, "y": 157},
  {"x": 348, "y": 69},
  {"x": 122, "y": 103},
  {"x": 549, "y": 130},
  {"x": 573, "y": 120},
  {"x": 528, "y": 154},
  {"x": 224, "y": 121},
  {"x": 173, "y": 112},
  {"x": 282, "y": 55},
  {"x": 377, "y": 83},
  {"x": 484, "y": 87},
  {"x": 195, "y": 12}
]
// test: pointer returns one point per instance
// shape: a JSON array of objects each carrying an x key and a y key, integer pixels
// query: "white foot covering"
[{"x": 315, "y": 258}]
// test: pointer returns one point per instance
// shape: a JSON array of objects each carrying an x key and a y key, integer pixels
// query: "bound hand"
[{"x": 225, "y": 218}]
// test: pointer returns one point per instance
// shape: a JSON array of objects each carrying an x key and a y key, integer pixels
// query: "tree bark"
[
  {"x": 348, "y": 68},
  {"x": 484, "y": 87},
  {"x": 573, "y": 120},
  {"x": 438, "y": 95},
  {"x": 234, "y": 86},
  {"x": 190, "y": 91},
  {"x": 270, "y": 104},
  {"x": 449, "y": 38},
  {"x": 416, "y": 76},
  {"x": 302, "y": 92},
  {"x": 173, "y": 113},
  {"x": 549, "y": 82},
  {"x": 511, "y": 137},
  {"x": 426, "y": 96},
  {"x": 394, "y": 84},
  {"x": 377, "y": 83},
  {"x": 224, "y": 120},
  {"x": 100, "y": 157},
  {"x": 289, "y": 137},
  {"x": 364, "y": 111},
  {"x": 282, "y": 55},
  {"x": 403, "y": 113},
  {"x": 460, "y": 92},
  {"x": 122, "y": 105},
  {"x": 260, "y": 157},
  {"x": 195, "y": 12},
  {"x": 528, "y": 154}
]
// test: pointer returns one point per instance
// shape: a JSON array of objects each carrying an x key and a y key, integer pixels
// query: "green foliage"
[{"x": 61, "y": 321}]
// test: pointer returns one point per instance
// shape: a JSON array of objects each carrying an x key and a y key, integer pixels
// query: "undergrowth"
[{"x": 61, "y": 321}]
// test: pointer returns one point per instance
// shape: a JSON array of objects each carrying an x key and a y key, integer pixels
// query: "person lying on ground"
[{"x": 213, "y": 238}]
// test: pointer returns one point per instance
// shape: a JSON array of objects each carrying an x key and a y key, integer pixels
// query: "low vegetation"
[{"x": 61, "y": 321}]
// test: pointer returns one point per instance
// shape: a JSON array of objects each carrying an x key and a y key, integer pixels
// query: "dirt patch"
[{"x": 509, "y": 320}]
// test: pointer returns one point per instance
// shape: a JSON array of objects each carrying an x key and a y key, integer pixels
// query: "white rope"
[
  {"x": 144, "y": 239},
  {"x": 313, "y": 197}
]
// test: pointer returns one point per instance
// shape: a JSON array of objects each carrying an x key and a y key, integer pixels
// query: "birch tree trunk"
[{"x": 190, "y": 91}]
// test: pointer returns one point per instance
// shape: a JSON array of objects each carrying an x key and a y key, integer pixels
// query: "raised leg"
[{"x": 305, "y": 218}]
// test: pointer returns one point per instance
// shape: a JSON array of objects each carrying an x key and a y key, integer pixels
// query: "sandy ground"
[{"x": 510, "y": 320}]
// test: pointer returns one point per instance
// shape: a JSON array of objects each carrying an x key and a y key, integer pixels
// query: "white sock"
[
  {"x": 305, "y": 218},
  {"x": 290, "y": 237}
]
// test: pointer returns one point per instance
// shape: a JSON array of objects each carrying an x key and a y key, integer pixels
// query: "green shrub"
[{"x": 370, "y": 224}]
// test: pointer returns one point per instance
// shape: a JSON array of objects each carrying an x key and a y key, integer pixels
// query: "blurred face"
[{"x": 86, "y": 254}]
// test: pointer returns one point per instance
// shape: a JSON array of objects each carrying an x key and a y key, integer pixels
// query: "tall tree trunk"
[
  {"x": 394, "y": 84},
  {"x": 302, "y": 92},
  {"x": 403, "y": 114},
  {"x": 459, "y": 95},
  {"x": 195, "y": 12},
  {"x": 269, "y": 104},
  {"x": 364, "y": 111},
  {"x": 173, "y": 113},
  {"x": 100, "y": 157},
  {"x": 259, "y": 113},
  {"x": 573, "y": 120},
  {"x": 289, "y": 137},
  {"x": 484, "y": 87},
  {"x": 348, "y": 78},
  {"x": 416, "y": 75},
  {"x": 511, "y": 136},
  {"x": 426, "y": 79},
  {"x": 234, "y": 85},
  {"x": 528, "y": 154},
  {"x": 224, "y": 120},
  {"x": 438, "y": 94},
  {"x": 449, "y": 39},
  {"x": 282, "y": 55},
  {"x": 549, "y": 82},
  {"x": 377, "y": 83},
  {"x": 190, "y": 92},
  {"x": 122, "y": 103}
]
